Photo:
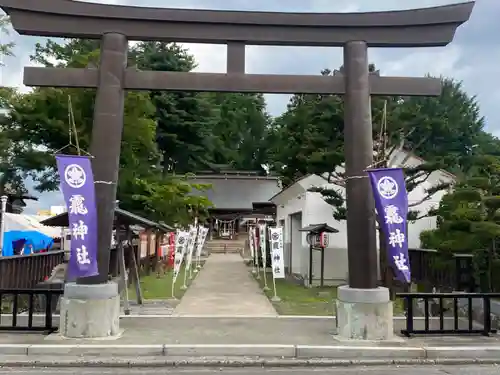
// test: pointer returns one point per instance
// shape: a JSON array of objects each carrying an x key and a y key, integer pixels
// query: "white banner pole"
[
  {"x": 277, "y": 260},
  {"x": 251, "y": 235},
  {"x": 189, "y": 253},
  {"x": 180, "y": 246},
  {"x": 257, "y": 276},
  {"x": 263, "y": 243},
  {"x": 191, "y": 265},
  {"x": 203, "y": 236}
]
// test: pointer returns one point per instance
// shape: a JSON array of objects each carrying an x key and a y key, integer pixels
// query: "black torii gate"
[{"x": 115, "y": 26}]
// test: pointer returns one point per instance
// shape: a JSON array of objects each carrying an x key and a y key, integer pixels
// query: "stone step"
[
  {"x": 224, "y": 246},
  {"x": 239, "y": 243},
  {"x": 222, "y": 251}
]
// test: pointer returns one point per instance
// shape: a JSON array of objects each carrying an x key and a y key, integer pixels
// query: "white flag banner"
[
  {"x": 180, "y": 250},
  {"x": 262, "y": 243},
  {"x": 251, "y": 234},
  {"x": 277, "y": 256},
  {"x": 202, "y": 235},
  {"x": 190, "y": 246}
]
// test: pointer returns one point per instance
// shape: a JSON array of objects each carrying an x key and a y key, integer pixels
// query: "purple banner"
[
  {"x": 77, "y": 185},
  {"x": 391, "y": 201}
]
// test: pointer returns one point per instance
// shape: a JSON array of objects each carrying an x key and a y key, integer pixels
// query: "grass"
[
  {"x": 299, "y": 300},
  {"x": 161, "y": 288}
]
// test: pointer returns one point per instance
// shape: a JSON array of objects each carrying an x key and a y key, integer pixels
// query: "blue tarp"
[{"x": 38, "y": 240}]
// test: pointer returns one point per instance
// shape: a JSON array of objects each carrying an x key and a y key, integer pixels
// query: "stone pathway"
[{"x": 224, "y": 287}]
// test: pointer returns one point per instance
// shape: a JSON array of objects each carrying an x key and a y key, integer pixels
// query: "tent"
[{"x": 25, "y": 230}]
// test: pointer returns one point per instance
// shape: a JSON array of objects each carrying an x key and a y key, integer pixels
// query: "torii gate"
[{"x": 116, "y": 25}]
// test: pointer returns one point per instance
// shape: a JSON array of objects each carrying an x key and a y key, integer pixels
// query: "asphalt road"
[{"x": 371, "y": 370}]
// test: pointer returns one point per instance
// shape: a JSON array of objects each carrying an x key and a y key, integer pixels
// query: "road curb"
[
  {"x": 274, "y": 351},
  {"x": 95, "y": 350},
  {"x": 462, "y": 352},
  {"x": 165, "y": 352},
  {"x": 161, "y": 362},
  {"x": 355, "y": 352}
]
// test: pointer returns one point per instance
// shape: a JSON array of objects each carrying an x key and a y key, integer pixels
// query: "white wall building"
[{"x": 297, "y": 208}]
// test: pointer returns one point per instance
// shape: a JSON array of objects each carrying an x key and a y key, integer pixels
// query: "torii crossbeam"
[{"x": 354, "y": 32}]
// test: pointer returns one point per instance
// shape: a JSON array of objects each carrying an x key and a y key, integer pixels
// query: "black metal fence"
[
  {"x": 431, "y": 269},
  {"x": 446, "y": 308},
  {"x": 19, "y": 306}
]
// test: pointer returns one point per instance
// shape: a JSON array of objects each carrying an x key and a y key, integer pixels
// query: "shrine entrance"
[
  {"x": 116, "y": 25},
  {"x": 226, "y": 229}
]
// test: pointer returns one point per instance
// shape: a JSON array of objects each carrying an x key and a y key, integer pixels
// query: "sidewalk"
[
  {"x": 224, "y": 287},
  {"x": 238, "y": 342},
  {"x": 246, "y": 338}
]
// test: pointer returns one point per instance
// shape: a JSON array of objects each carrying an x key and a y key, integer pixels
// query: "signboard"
[
  {"x": 277, "y": 256},
  {"x": 180, "y": 250},
  {"x": 77, "y": 185}
]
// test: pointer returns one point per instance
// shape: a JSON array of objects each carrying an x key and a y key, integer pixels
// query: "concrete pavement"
[
  {"x": 223, "y": 330},
  {"x": 236, "y": 341},
  {"x": 224, "y": 287}
]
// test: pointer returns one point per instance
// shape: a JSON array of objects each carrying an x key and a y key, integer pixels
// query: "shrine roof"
[
  {"x": 231, "y": 192},
  {"x": 124, "y": 216},
  {"x": 318, "y": 228}
]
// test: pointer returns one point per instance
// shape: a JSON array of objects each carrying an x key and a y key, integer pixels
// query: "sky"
[{"x": 473, "y": 57}]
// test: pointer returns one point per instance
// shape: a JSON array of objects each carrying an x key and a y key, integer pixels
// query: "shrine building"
[{"x": 240, "y": 199}]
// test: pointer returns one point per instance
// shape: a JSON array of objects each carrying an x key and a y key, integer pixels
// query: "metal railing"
[
  {"x": 19, "y": 306},
  {"x": 429, "y": 269},
  {"x": 26, "y": 271},
  {"x": 438, "y": 305}
]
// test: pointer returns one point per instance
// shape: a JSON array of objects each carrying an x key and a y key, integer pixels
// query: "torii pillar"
[{"x": 364, "y": 309}]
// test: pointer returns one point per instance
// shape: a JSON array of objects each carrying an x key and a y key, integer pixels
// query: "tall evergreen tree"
[
  {"x": 240, "y": 130},
  {"x": 184, "y": 119},
  {"x": 469, "y": 219}
]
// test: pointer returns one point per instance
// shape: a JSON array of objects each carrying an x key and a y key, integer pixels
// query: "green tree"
[
  {"x": 38, "y": 123},
  {"x": 449, "y": 125},
  {"x": 441, "y": 130},
  {"x": 11, "y": 178},
  {"x": 11, "y": 182},
  {"x": 469, "y": 217},
  {"x": 184, "y": 119},
  {"x": 308, "y": 137},
  {"x": 240, "y": 130},
  {"x": 40, "y": 119},
  {"x": 6, "y": 49},
  {"x": 172, "y": 197}
]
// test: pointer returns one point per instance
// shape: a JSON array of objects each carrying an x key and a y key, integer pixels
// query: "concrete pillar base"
[
  {"x": 90, "y": 311},
  {"x": 364, "y": 314}
]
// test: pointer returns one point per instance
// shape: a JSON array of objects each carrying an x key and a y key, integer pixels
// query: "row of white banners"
[
  {"x": 185, "y": 242},
  {"x": 275, "y": 248}
]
